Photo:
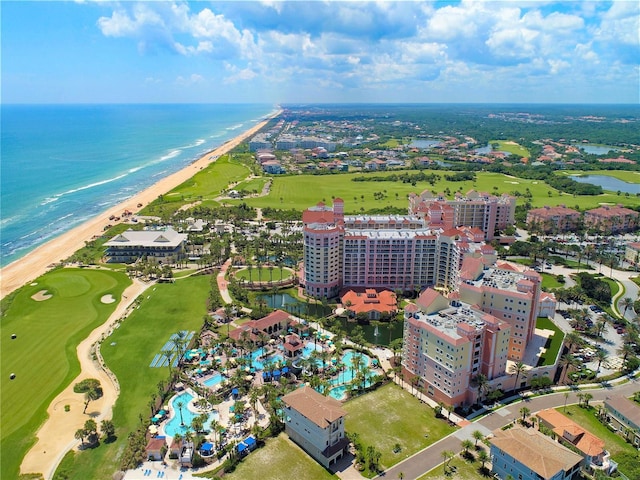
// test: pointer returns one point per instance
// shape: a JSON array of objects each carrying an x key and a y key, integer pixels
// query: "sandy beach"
[{"x": 38, "y": 261}]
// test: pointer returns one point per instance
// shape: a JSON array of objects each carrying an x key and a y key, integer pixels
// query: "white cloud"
[{"x": 191, "y": 80}]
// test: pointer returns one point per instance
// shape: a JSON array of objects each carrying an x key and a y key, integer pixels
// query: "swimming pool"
[
  {"x": 345, "y": 377},
  {"x": 213, "y": 380},
  {"x": 174, "y": 426},
  {"x": 259, "y": 364}
]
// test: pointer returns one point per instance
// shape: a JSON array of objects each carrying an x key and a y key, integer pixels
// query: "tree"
[
  {"x": 447, "y": 455},
  {"x": 482, "y": 384},
  {"x": 627, "y": 303},
  {"x": 180, "y": 405},
  {"x": 524, "y": 411},
  {"x": 79, "y": 435},
  {"x": 477, "y": 435},
  {"x": 601, "y": 356},
  {"x": 483, "y": 456},
  {"x": 466, "y": 445},
  {"x": 566, "y": 397},
  {"x": 586, "y": 398},
  {"x": 108, "y": 429},
  {"x": 89, "y": 396},
  {"x": 565, "y": 362},
  {"x": 517, "y": 369}
]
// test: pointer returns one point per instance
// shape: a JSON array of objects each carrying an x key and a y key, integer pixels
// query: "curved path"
[
  {"x": 430, "y": 457},
  {"x": 56, "y": 436}
]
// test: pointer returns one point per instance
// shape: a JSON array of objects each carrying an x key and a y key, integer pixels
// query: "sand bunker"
[
  {"x": 108, "y": 298},
  {"x": 41, "y": 296},
  {"x": 34, "y": 284}
]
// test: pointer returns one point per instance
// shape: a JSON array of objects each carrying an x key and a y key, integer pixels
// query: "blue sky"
[{"x": 321, "y": 51}]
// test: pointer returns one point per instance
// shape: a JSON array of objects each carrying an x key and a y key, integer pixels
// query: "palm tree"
[
  {"x": 565, "y": 362},
  {"x": 477, "y": 435},
  {"x": 602, "y": 357},
  {"x": 107, "y": 428},
  {"x": 566, "y": 397},
  {"x": 482, "y": 384},
  {"x": 625, "y": 350},
  {"x": 483, "y": 456},
  {"x": 524, "y": 411},
  {"x": 518, "y": 369},
  {"x": 447, "y": 455},
  {"x": 627, "y": 303},
  {"x": 80, "y": 434},
  {"x": 90, "y": 395},
  {"x": 571, "y": 339},
  {"x": 586, "y": 398},
  {"x": 180, "y": 405},
  {"x": 466, "y": 445}
]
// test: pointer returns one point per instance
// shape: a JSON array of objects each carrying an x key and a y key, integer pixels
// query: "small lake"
[
  {"x": 286, "y": 302},
  {"x": 608, "y": 183},
  {"x": 597, "y": 149},
  {"x": 488, "y": 149},
  {"x": 425, "y": 143}
]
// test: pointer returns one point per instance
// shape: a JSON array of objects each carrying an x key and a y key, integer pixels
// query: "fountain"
[{"x": 375, "y": 332}]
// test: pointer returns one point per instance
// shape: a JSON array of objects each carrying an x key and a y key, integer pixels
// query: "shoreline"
[{"x": 35, "y": 263}]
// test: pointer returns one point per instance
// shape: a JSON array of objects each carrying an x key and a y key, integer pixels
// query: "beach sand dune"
[{"x": 38, "y": 261}]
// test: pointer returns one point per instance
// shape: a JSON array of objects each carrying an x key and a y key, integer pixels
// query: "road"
[{"x": 429, "y": 458}]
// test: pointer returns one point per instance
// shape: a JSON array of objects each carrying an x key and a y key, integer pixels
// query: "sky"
[{"x": 467, "y": 51}]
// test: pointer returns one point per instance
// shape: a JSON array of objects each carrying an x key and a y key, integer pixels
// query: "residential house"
[
  {"x": 570, "y": 433},
  {"x": 316, "y": 423},
  {"x": 624, "y": 415},
  {"x": 527, "y": 454}
]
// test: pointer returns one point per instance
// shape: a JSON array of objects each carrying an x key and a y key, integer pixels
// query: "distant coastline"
[{"x": 40, "y": 260}]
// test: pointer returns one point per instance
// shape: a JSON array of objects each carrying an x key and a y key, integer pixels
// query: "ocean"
[{"x": 63, "y": 164}]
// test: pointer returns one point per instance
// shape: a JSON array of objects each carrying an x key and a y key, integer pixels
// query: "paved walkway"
[{"x": 223, "y": 284}]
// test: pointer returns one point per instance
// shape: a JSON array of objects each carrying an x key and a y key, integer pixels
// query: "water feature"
[
  {"x": 387, "y": 332},
  {"x": 420, "y": 143},
  {"x": 597, "y": 149},
  {"x": 286, "y": 302},
  {"x": 174, "y": 425},
  {"x": 610, "y": 183},
  {"x": 488, "y": 149},
  {"x": 213, "y": 380},
  {"x": 341, "y": 382}
]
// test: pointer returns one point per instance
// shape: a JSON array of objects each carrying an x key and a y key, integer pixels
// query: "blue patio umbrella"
[{"x": 234, "y": 391}]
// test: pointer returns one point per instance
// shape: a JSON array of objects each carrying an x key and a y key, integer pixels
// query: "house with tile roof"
[
  {"x": 571, "y": 434},
  {"x": 370, "y": 301},
  {"x": 316, "y": 424},
  {"x": 527, "y": 454}
]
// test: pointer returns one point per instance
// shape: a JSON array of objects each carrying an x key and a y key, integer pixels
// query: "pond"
[
  {"x": 383, "y": 335},
  {"x": 286, "y": 302},
  {"x": 425, "y": 143},
  {"x": 488, "y": 149},
  {"x": 597, "y": 149},
  {"x": 608, "y": 183}
]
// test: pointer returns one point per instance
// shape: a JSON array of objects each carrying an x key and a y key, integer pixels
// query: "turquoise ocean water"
[{"x": 63, "y": 164}]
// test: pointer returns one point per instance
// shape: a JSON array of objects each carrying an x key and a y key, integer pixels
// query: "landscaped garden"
[
  {"x": 380, "y": 420},
  {"x": 49, "y": 318},
  {"x": 554, "y": 343}
]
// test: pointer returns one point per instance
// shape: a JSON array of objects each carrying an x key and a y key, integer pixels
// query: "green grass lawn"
[
  {"x": 511, "y": 147},
  {"x": 43, "y": 356},
  {"x": 203, "y": 186},
  {"x": 266, "y": 275},
  {"x": 550, "y": 281},
  {"x": 279, "y": 459},
  {"x": 380, "y": 419},
  {"x": 164, "y": 310},
  {"x": 301, "y": 191},
  {"x": 464, "y": 470},
  {"x": 255, "y": 184},
  {"x": 553, "y": 344}
]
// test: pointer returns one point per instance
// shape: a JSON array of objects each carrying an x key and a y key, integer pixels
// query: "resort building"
[
  {"x": 507, "y": 291},
  {"x": 632, "y": 253},
  {"x": 271, "y": 326},
  {"x": 487, "y": 212},
  {"x": 570, "y": 433},
  {"x": 557, "y": 219},
  {"x": 624, "y": 416},
  {"x": 316, "y": 424},
  {"x": 382, "y": 252},
  {"x": 446, "y": 343},
  {"x": 370, "y": 302},
  {"x": 156, "y": 447},
  {"x": 160, "y": 246},
  {"x": 611, "y": 219},
  {"x": 526, "y": 454}
]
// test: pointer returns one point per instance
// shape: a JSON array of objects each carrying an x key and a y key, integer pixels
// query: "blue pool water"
[
  {"x": 345, "y": 377},
  {"x": 213, "y": 381},
  {"x": 174, "y": 426}
]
